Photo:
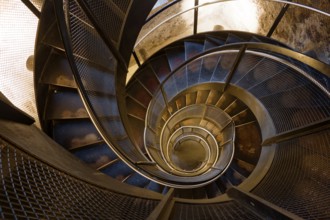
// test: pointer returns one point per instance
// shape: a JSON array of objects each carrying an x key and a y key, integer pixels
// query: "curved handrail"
[
  {"x": 258, "y": 48},
  {"x": 161, "y": 10},
  {"x": 219, "y": 1}
]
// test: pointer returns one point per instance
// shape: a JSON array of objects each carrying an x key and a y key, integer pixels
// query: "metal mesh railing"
[
  {"x": 293, "y": 95},
  {"x": 89, "y": 45},
  {"x": 31, "y": 189},
  {"x": 299, "y": 177},
  {"x": 110, "y": 15},
  {"x": 228, "y": 210}
]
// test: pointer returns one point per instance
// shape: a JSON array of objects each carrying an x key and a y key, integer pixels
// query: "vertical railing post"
[
  {"x": 196, "y": 16},
  {"x": 277, "y": 20},
  {"x": 234, "y": 67},
  {"x": 136, "y": 59},
  {"x": 32, "y": 8}
]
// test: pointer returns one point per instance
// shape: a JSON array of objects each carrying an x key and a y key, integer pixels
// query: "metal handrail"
[
  {"x": 32, "y": 8},
  {"x": 161, "y": 10}
]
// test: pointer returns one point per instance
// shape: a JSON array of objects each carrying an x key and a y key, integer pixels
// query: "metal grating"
[
  {"x": 110, "y": 15},
  {"x": 227, "y": 210},
  {"x": 123, "y": 5},
  {"x": 293, "y": 99},
  {"x": 31, "y": 189},
  {"x": 299, "y": 177},
  {"x": 92, "y": 50}
]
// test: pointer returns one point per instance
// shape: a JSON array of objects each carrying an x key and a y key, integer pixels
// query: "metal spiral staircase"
[{"x": 221, "y": 124}]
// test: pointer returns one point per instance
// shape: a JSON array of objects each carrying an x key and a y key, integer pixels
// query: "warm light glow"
[
  {"x": 241, "y": 15},
  {"x": 17, "y": 36}
]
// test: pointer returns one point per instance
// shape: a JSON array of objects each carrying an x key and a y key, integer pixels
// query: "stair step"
[
  {"x": 57, "y": 71},
  {"x": 170, "y": 88},
  {"x": 148, "y": 78},
  {"x": 224, "y": 101},
  {"x": 95, "y": 155},
  {"x": 235, "y": 108},
  {"x": 135, "y": 109},
  {"x": 225, "y": 64},
  {"x": 193, "y": 72},
  {"x": 208, "y": 68},
  {"x": 243, "y": 117},
  {"x": 222, "y": 184},
  {"x": 234, "y": 177},
  {"x": 74, "y": 134},
  {"x": 202, "y": 96},
  {"x": 53, "y": 37},
  {"x": 175, "y": 56},
  {"x": 65, "y": 104},
  {"x": 138, "y": 92},
  {"x": 192, "y": 48},
  {"x": 213, "y": 97},
  {"x": 138, "y": 133},
  {"x": 137, "y": 180},
  {"x": 212, "y": 42},
  {"x": 161, "y": 67},
  {"x": 181, "y": 79},
  {"x": 226, "y": 182},
  {"x": 231, "y": 38},
  {"x": 118, "y": 170},
  {"x": 240, "y": 169},
  {"x": 155, "y": 187},
  {"x": 191, "y": 98},
  {"x": 180, "y": 102},
  {"x": 212, "y": 190},
  {"x": 75, "y": 148}
]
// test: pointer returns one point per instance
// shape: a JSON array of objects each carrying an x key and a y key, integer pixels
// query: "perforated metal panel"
[
  {"x": 32, "y": 189},
  {"x": 18, "y": 27},
  {"x": 228, "y": 210},
  {"x": 293, "y": 97},
  {"x": 93, "y": 51},
  {"x": 299, "y": 177},
  {"x": 110, "y": 16}
]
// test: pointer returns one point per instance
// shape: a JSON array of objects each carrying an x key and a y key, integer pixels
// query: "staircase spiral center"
[{"x": 189, "y": 154}]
